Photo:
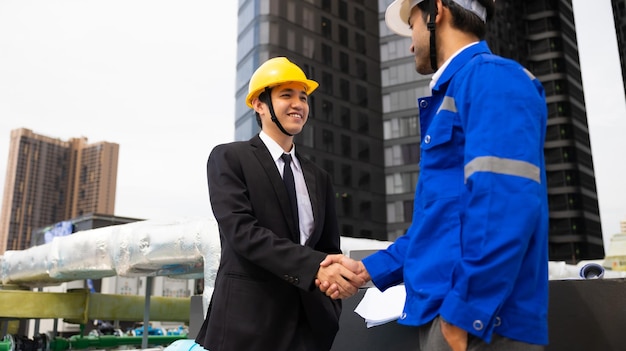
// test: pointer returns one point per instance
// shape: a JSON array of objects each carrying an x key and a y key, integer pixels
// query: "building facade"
[
  {"x": 49, "y": 180},
  {"x": 336, "y": 43},
  {"x": 619, "y": 16},
  {"x": 401, "y": 86},
  {"x": 540, "y": 34}
]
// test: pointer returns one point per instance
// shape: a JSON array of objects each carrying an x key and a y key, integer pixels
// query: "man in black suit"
[{"x": 265, "y": 296}]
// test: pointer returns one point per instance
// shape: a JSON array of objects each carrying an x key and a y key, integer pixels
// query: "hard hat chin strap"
[
  {"x": 268, "y": 94},
  {"x": 431, "y": 28}
]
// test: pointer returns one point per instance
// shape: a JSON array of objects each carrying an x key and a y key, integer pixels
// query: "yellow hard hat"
[{"x": 275, "y": 71}]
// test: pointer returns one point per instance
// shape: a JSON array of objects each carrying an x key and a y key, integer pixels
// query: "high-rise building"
[
  {"x": 336, "y": 43},
  {"x": 547, "y": 46},
  {"x": 619, "y": 16},
  {"x": 540, "y": 34},
  {"x": 49, "y": 180},
  {"x": 401, "y": 86}
]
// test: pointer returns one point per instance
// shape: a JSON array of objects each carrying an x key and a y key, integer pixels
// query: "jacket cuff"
[
  {"x": 378, "y": 269},
  {"x": 468, "y": 317}
]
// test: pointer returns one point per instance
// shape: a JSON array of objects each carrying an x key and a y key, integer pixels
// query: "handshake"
[{"x": 340, "y": 277}]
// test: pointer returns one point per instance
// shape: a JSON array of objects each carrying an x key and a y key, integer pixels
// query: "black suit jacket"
[{"x": 265, "y": 297}]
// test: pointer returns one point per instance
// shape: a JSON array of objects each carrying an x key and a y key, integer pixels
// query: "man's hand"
[
  {"x": 455, "y": 336},
  {"x": 337, "y": 289}
]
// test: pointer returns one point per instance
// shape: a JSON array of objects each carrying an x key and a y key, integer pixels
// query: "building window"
[
  {"x": 343, "y": 10},
  {"x": 364, "y": 181},
  {"x": 346, "y": 146},
  {"x": 400, "y": 127},
  {"x": 344, "y": 62},
  {"x": 326, "y": 28},
  {"x": 364, "y": 151},
  {"x": 345, "y": 117},
  {"x": 327, "y": 83},
  {"x": 343, "y": 36},
  {"x": 327, "y": 55},
  {"x": 307, "y": 18},
  {"x": 401, "y": 183},
  {"x": 361, "y": 96},
  {"x": 359, "y": 41},
  {"x": 326, "y": 5},
  {"x": 327, "y": 141},
  {"x": 308, "y": 46},
  {"x": 327, "y": 110},
  {"x": 364, "y": 124},
  {"x": 359, "y": 18},
  {"x": 346, "y": 175},
  {"x": 344, "y": 89},
  {"x": 291, "y": 12},
  {"x": 83, "y": 174},
  {"x": 361, "y": 69},
  {"x": 405, "y": 154},
  {"x": 394, "y": 212}
]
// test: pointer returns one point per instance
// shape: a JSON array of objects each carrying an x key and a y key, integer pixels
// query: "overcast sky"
[{"x": 157, "y": 77}]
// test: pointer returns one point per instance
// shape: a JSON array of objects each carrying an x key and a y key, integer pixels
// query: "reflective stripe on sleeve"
[{"x": 502, "y": 166}]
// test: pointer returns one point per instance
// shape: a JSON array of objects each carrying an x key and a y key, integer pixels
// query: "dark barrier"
[{"x": 584, "y": 315}]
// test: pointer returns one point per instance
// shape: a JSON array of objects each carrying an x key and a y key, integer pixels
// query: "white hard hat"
[{"x": 398, "y": 12}]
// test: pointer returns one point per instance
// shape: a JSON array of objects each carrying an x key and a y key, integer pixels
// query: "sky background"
[{"x": 157, "y": 77}]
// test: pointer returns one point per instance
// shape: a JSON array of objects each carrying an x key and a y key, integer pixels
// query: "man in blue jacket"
[{"x": 475, "y": 259}]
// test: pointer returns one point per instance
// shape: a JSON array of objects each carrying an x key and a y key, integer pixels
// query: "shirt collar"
[
  {"x": 443, "y": 67},
  {"x": 276, "y": 150}
]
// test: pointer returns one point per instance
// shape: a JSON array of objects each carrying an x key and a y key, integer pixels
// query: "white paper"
[{"x": 378, "y": 307}]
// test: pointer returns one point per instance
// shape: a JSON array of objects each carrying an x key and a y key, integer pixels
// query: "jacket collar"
[{"x": 458, "y": 62}]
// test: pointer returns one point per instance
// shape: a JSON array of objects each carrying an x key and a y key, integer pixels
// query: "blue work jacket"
[{"x": 477, "y": 251}]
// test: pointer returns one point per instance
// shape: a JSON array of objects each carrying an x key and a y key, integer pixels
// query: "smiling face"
[{"x": 290, "y": 102}]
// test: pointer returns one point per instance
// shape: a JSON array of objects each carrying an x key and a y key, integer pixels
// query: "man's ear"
[
  {"x": 258, "y": 105},
  {"x": 439, "y": 5}
]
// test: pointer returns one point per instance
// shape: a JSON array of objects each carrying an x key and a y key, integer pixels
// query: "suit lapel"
[{"x": 269, "y": 166}]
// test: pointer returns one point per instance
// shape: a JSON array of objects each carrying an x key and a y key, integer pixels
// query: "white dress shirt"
[{"x": 305, "y": 210}]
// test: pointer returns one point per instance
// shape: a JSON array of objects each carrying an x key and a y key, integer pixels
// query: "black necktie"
[{"x": 291, "y": 191}]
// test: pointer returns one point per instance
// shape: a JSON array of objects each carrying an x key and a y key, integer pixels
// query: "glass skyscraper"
[{"x": 336, "y": 45}]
